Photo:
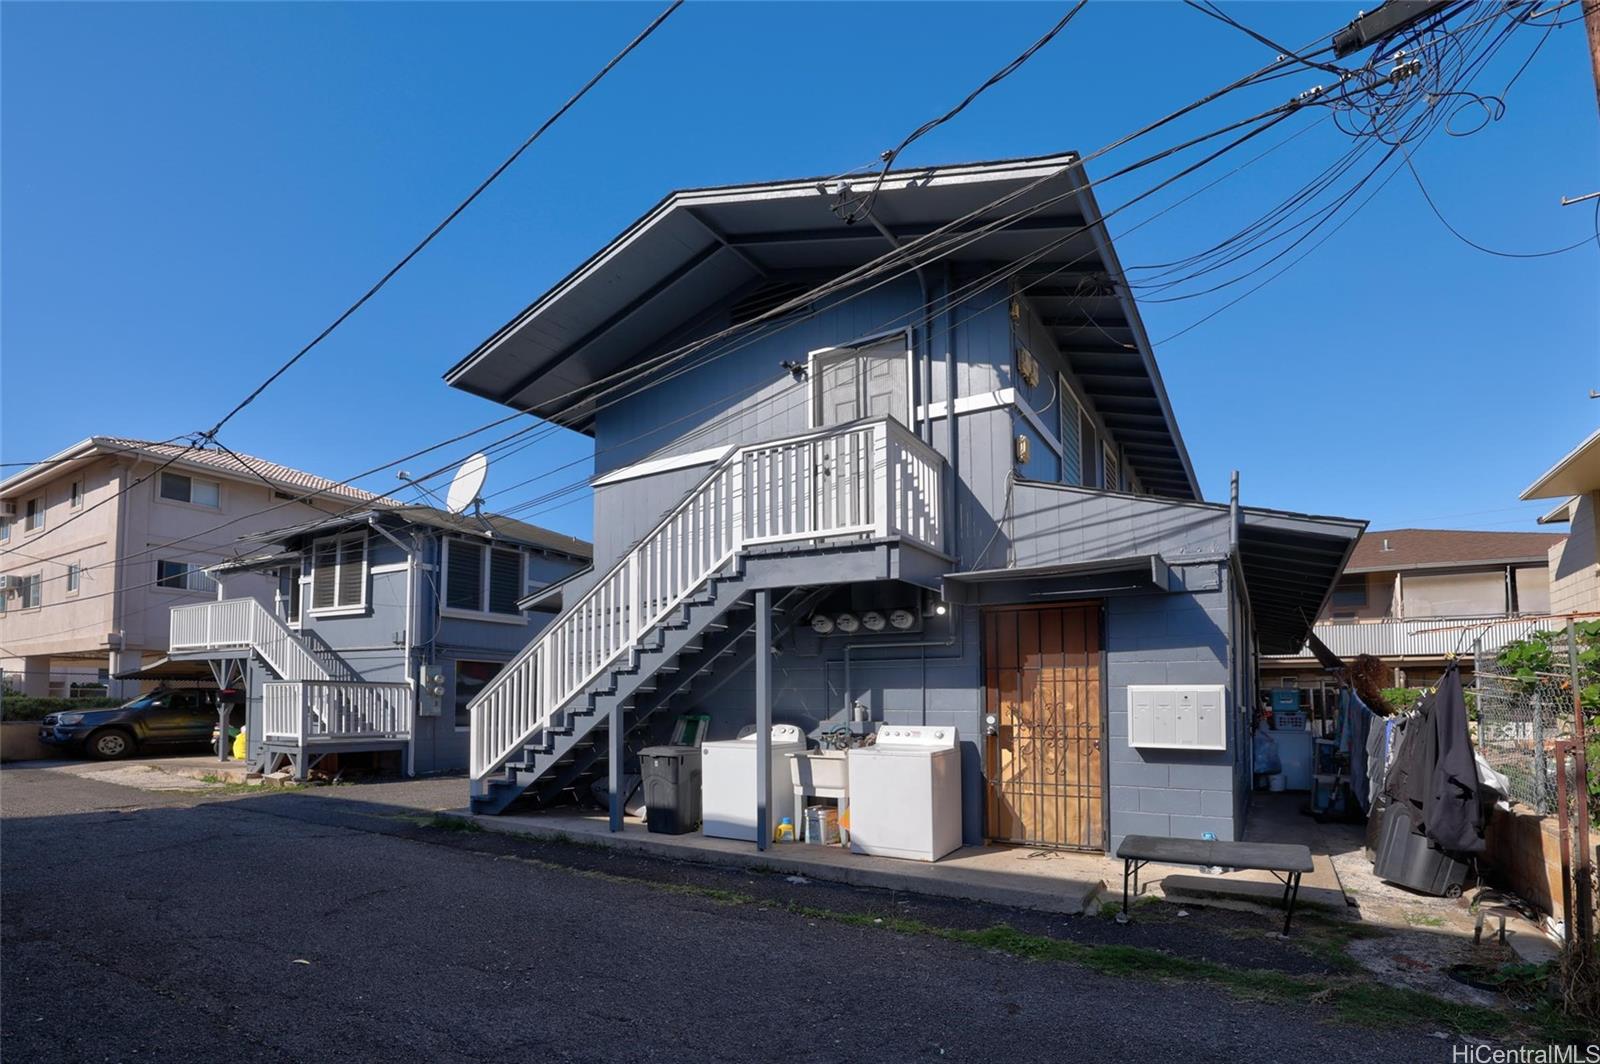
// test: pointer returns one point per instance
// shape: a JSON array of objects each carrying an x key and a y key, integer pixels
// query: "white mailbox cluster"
[{"x": 1173, "y": 717}]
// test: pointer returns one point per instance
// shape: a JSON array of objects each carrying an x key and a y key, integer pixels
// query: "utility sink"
[{"x": 824, "y": 773}]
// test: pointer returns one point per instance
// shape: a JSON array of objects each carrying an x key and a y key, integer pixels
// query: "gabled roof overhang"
[{"x": 696, "y": 250}]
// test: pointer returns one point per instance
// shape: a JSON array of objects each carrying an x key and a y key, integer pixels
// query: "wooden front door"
[{"x": 1044, "y": 762}]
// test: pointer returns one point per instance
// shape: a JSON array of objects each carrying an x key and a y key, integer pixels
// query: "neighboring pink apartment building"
[{"x": 97, "y": 546}]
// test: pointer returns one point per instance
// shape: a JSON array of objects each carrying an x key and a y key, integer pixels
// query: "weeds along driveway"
[{"x": 289, "y": 926}]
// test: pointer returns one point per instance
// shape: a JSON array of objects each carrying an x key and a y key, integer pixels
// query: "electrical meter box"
[
  {"x": 1173, "y": 717},
  {"x": 430, "y": 691}
]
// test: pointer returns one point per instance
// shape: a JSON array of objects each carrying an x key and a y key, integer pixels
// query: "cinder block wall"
[{"x": 1177, "y": 638}]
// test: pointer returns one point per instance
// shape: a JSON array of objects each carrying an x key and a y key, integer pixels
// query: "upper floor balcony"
[{"x": 1421, "y": 638}]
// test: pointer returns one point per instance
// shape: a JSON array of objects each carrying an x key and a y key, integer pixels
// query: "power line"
[
  {"x": 463, "y": 205},
  {"x": 862, "y": 206}
]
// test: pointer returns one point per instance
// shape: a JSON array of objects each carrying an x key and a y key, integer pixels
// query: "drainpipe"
[
  {"x": 411, "y": 681},
  {"x": 953, "y": 450},
  {"x": 925, "y": 377},
  {"x": 920, "y": 644}
]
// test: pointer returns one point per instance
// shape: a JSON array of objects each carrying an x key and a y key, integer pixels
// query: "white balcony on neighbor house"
[
  {"x": 306, "y": 713},
  {"x": 1421, "y": 638}
]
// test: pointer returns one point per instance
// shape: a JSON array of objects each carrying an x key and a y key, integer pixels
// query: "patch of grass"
[
  {"x": 439, "y": 821},
  {"x": 1424, "y": 920},
  {"x": 224, "y": 785}
]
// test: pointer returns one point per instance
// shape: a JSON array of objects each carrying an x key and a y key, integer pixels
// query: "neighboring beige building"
[
  {"x": 97, "y": 546},
  {"x": 1574, "y": 563},
  {"x": 1413, "y": 596}
]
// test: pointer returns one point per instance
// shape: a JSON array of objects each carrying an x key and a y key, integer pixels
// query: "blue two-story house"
[
  {"x": 385, "y": 623},
  {"x": 903, "y": 454}
]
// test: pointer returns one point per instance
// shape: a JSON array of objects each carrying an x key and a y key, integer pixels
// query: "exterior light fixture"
[
  {"x": 848, "y": 622},
  {"x": 873, "y": 620},
  {"x": 821, "y": 623},
  {"x": 940, "y": 608},
  {"x": 902, "y": 619},
  {"x": 1022, "y": 449}
]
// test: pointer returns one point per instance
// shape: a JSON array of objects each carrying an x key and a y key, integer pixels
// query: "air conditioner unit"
[{"x": 8, "y": 508}]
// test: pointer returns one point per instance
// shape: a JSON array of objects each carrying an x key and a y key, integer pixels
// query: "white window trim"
[
  {"x": 518, "y": 618},
  {"x": 38, "y": 605},
  {"x": 193, "y": 567},
  {"x": 40, "y": 512},
  {"x": 813, "y": 414},
  {"x": 337, "y": 610},
  {"x": 191, "y": 478},
  {"x": 75, "y": 495},
  {"x": 73, "y": 569}
]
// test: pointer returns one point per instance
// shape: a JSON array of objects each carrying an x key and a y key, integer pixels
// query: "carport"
[{"x": 219, "y": 675}]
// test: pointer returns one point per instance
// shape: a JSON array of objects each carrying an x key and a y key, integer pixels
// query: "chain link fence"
[{"x": 1520, "y": 715}]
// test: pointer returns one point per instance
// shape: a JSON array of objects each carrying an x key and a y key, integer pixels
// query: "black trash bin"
[
  {"x": 671, "y": 788},
  {"x": 1406, "y": 857}
]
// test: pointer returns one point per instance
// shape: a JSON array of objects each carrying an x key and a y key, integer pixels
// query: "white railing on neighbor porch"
[
  {"x": 1423, "y": 637},
  {"x": 306, "y": 712},
  {"x": 242, "y": 624},
  {"x": 870, "y": 479}
]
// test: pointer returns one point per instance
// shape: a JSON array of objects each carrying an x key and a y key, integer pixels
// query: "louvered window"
[
  {"x": 482, "y": 579},
  {"x": 463, "y": 575},
  {"x": 505, "y": 580},
  {"x": 1113, "y": 480},
  {"x": 1070, "y": 428},
  {"x": 339, "y": 573}
]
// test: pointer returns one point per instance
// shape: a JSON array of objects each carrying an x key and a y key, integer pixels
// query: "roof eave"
[{"x": 1549, "y": 485}]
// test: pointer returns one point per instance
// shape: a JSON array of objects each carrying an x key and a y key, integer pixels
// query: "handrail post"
[
  {"x": 737, "y": 508},
  {"x": 880, "y": 479},
  {"x": 635, "y": 601}
]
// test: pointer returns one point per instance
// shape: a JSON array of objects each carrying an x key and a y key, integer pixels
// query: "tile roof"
[
  {"x": 246, "y": 465},
  {"x": 1438, "y": 547}
]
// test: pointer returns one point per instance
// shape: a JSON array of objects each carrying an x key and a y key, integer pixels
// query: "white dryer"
[
  {"x": 728, "y": 782},
  {"x": 905, "y": 793}
]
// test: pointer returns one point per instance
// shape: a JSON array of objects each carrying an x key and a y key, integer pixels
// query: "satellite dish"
[{"x": 467, "y": 483}]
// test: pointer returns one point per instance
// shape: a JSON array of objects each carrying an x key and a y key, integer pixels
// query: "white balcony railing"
[
  {"x": 244, "y": 624},
  {"x": 1423, "y": 637},
  {"x": 867, "y": 479},
  {"x": 308, "y": 712}
]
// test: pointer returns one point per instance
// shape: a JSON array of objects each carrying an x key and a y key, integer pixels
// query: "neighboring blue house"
[
  {"x": 788, "y": 529},
  {"x": 385, "y": 623}
]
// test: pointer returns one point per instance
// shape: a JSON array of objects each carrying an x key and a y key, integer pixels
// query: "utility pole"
[{"x": 1591, "y": 23}]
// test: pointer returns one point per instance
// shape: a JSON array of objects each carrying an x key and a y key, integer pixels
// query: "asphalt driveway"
[{"x": 206, "y": 926}]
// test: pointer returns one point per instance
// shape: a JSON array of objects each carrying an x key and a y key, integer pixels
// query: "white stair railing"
[
  {"x": 872, "y": 478},
  {"x": 309, "y": 711},
  {"x": 244, "y": 623}
]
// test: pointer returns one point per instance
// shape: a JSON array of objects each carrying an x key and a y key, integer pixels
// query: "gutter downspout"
[
  {"x": 953, "y": 450},
  {"x": 413, "y": 718},
  {"x": 924, "y": 378}
]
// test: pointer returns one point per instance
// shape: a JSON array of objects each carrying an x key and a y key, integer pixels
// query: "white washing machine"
[
  {"x": 728, "y": 782},
  {"x": 905, "y": 793}
]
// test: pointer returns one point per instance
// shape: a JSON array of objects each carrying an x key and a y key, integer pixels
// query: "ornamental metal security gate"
[{"x": 1045, "y": 762}]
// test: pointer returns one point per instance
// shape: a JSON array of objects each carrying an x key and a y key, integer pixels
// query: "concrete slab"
[{"x": 1051, "y": 882}]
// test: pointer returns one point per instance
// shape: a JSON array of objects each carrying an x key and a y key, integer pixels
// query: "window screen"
[
  {"x": 464, "y": 576},
  {"x": 1070, "y": 427},
  {"x": 505, "y": 580}
]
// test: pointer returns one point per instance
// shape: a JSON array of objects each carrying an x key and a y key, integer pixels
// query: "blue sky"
[{"x": 190, "y": 192}]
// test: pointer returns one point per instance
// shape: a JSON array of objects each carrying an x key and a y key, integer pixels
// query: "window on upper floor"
[
  {"x": 5, "y": 529},
  {"x": 33, "y": 515},
  {"x": 181, "y": 488},
  {"x": 339, "y": 573},
  {"x": 1090, "y": 441},
  {"x": 74, "y": 577},
  {"x": 1348, "y": 597},
  {"x": 862, "y": 381},
  {"x": 479, "y": 579},
  {"x": 75, "y": 495},
  {"x": 183, "y": 576},
  {"x": 1069, "y": 427},
  {"x": 30, "y": 591},
  {"x": 1111, "y": 469}
]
